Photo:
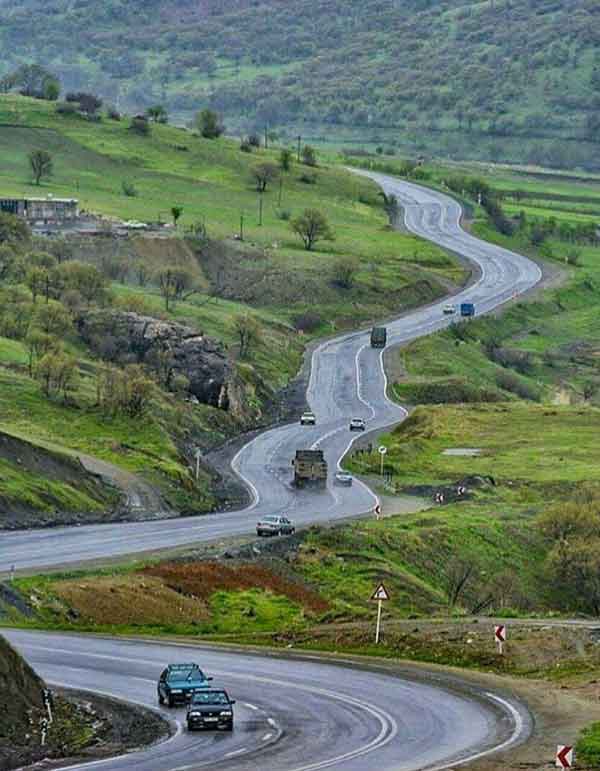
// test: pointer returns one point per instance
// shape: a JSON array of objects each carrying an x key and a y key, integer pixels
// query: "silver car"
[
  {"x": 357, "y": 424},
  {"x": 275, "y": 525},
  {"x": 341, "y": 478},
  {"x": 308, "y": 419}
]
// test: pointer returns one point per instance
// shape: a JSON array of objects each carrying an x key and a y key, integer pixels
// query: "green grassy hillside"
[
  {"x": 289, "y": 294},
  {"x": 482, "y": 79}
]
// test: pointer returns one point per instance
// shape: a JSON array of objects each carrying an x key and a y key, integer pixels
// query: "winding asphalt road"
[
  {"x": 297, "y": 714},
  {"x": 291, "y": 714},
  {"x": 347, "y": 380}
]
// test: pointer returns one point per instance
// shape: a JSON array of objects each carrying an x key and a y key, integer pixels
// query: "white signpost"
[
  {"x": 500, "y": 637},
  {"x": 378, "y": 511},
  {"x": 564, "y": 756},
  {"x": 380, "y": 594},
  {"x": 382, "y": 452}
]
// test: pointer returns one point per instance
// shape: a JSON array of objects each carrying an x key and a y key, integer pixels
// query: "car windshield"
[
  {"x": 185, "y": 673},
  {"x": 271, "y": 519},
  {"x": 210, "y": 697}
]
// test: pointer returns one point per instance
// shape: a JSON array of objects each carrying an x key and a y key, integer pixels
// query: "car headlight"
[
  {"x": 176, "y": 690},
  {"x": 195, "y": 714},
  {"x": 226, "y": 713}
]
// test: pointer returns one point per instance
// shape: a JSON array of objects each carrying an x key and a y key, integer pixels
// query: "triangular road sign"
[{"x": 381, "y": 593}]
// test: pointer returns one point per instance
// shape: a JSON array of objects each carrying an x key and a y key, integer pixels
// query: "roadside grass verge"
[{"x": 517, "y": 444}]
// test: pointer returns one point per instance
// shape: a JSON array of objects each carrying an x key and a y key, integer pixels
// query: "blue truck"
[{"x": 467, "y": 309}]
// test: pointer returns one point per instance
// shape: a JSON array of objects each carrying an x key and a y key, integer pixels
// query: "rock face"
[
  {"x": 21, "y": 704},
  {"x": 172, "y": 348}
]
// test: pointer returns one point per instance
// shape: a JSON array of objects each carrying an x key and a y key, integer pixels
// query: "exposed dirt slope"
[
  {"x": 37, "y": 482},
  {"x": 21, "y": 705}
]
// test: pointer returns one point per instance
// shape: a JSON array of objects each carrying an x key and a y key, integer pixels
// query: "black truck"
[{"x": 378, "y": 337}]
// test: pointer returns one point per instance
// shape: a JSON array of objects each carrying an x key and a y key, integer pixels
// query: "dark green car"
[
  {"x": 210, "y": 709},
  {"x": 178, "y": 682}
]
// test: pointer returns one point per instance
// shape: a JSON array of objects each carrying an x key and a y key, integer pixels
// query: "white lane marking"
[
  {"x": 266, "y": 737},
  {"x": 512, "y": 739},
  {"x": 253, "y": 489},
  {"x": 358, "y": 381},
  {"x": 250, "y": 706},
  {"x": 271, "y": 722},
  {"x": 236, "y": 752}
]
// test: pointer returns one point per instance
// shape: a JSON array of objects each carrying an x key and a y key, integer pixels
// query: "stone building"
[{"x": 47, "y": 210}]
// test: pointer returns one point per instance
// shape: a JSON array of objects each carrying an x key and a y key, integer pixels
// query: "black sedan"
[{"x": 210, "y": 708}]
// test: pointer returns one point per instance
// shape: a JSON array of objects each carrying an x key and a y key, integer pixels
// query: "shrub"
[
  {"x": 521, "y": 361},
  {"x": 66, "y": 108},
  {"x": 113, "y": 113},
  {"x": 308, "y": 179},
  {"x": 508, "y": 381},
  {"x": 129, "y": 189},
  {"x": 245, "y": 145},
  {"x": 209, "y": 124},
  {"x": 284, "y": 214},
  {"x": 343, "y": 272},
  {"x": 309, "y": 156},
  {"x": 309, "y": 321},
  {"x": 454, "y": 390},
  {"x": 588, "y": 746},
  {"x": 139, "y": 125}
]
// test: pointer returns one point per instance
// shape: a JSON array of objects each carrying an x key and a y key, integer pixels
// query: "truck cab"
[
  {"x": 378, "y": 337},
  {"x": 467, "y": 309}
]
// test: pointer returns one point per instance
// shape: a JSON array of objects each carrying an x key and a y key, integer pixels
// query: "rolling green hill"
[
  {"x": 497, "y": 79},
  {"x": 289, "y": 295}
]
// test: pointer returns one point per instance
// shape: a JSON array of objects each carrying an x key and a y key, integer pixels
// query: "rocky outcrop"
[{"x": 171, "y": 348}]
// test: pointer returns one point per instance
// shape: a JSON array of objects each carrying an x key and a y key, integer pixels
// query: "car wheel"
[
  {"x": 190, "y": 727},
  {"x": 160, "y": 698},
  {"x": 229, "y": 726},
  {"x": 170, "y": 702}
]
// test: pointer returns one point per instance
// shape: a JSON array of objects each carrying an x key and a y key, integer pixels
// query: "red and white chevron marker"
[
  {"x": 564, "y": 756},
  {"x": 500, "y": 636},
  {"x": 378, "y": 511}
]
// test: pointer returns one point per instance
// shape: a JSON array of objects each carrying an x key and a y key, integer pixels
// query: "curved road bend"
[
  {"x": 300, "y": 714},
  {"x": 347, "y": 380}
]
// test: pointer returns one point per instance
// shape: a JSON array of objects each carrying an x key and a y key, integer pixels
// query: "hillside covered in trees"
[{"x": 499, "y": 79}]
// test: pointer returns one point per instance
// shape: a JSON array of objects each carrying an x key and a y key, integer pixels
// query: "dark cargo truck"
[
  {"x": 467, "y": 309},
  {"x": 378, "y": 337},
  {"x": 310, "y": 468}
]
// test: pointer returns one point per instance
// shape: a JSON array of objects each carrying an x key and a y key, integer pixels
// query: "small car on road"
[
  {"x": 308, "y": 419},
  {"x": 357, "y": 424},
  {"x": 341, "y": 478},
  {"x": 449, "y": 310},
  {"x": 178, "y": 681},
  {"x": 210, "y": 708},
  {"x": 273, "y": 524}
]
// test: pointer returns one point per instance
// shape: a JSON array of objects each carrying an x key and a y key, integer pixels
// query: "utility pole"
[
  {"x": 299, "y": 143},
  {"x": 242, "y": 226},
  {"x": 197, "y": 465},
  {"x": 266, "y": 137},
  {"x": 260, "y": 207},
  {"x": 280, "y": 191}
]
